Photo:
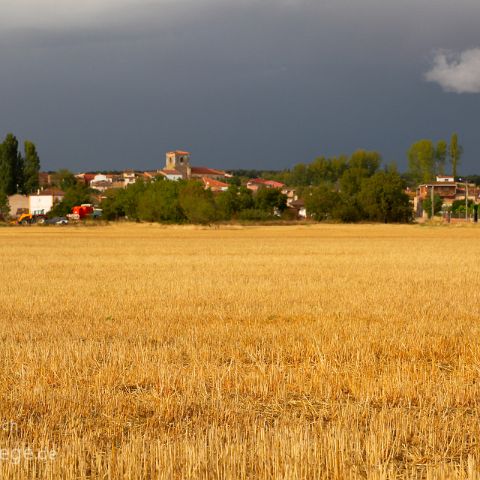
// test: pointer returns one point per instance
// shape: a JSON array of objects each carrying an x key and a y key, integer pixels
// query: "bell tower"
[{"x": 180, "y": 161}]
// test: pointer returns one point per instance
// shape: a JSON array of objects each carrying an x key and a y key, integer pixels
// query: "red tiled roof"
[
  {"x": 170, "y": 172},
  {"x": 270, "y": 183},
  {"x": 206, "y": 171},
  {"x": 211, "y": 182},
  {"x": 274, "y": 184}
]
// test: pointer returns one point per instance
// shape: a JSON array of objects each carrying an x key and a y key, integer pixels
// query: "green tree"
[
  {"x": 322, "y": 170},
  {"x": 383, "y": 198},
  {"x": 322, "y": 203},
  {"x": 437, "y": 205},
  {"x": 228, "y": 203},
  {"x": 159, "y": 202},
  {"x": 270, "y": 200},
  {"x": 300, "y": 175},
  {"x": 128, "y": 199},
  {"x": 31, "y": 168},
  {"x": 197, "y": 203},
  {"x": 421, "y": 161},
  {"x": 441, "y": 157},
  {"x": 365, "y": 161},
  {"x": 362, "y": 164},
  {"x": 112, "y": 206},
  {"x": 233, "y": 201},
  {"x": 458, "y": 206},
  {"x": 455, "y": 154}
]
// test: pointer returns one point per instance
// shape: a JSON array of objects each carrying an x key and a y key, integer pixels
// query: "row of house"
[{"x": 177, "y": 167}]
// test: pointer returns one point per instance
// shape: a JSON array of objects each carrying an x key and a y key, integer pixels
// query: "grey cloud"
[
  {"x": 459, "y": 73},
  {"x": 263, "y": 83}
]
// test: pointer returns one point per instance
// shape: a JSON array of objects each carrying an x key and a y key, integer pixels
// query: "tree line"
[
  {"x": 426, "y": 159},
  {"x": 185, "y": 201},
  {"x": 358, "y": 189}
]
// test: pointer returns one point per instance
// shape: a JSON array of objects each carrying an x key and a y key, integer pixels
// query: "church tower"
[{"x": 180, "y": 161}]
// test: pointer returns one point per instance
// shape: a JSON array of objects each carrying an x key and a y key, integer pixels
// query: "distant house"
[
  {"x": 44, "y": 200},
  {"x": 256, "y": 184},
  {"x": 447, "y": 189},
  {"x": 214, "y": 185},
  {"x": 129, "y": 177},
  {"x": 101, "y": 182}
]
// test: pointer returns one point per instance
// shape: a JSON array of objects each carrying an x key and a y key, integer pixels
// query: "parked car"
[{"x": 57, "y": 221}]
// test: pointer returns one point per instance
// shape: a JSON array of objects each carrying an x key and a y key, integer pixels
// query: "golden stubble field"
[{"x": 308, "y": 352}]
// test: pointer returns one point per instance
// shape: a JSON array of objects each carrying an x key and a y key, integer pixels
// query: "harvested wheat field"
[{"x": 141, "y": 351}]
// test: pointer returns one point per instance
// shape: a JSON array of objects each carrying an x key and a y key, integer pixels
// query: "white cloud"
[{"x": 459, "y": 73}]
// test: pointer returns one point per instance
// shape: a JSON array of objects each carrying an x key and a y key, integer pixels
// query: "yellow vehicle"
[{"x": 29, "y": 218}]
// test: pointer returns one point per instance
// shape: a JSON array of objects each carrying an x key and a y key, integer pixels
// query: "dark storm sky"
[{"x": 105, "y": 84}]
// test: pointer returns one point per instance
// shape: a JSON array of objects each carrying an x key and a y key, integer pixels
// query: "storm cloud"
[{"x": 254, "y": 83}]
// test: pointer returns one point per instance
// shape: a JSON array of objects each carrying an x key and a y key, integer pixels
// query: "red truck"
[{"x": 82, "y": 211}]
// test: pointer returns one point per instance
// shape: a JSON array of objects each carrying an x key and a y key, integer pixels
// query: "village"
[
  {"x": 429, "y": 199},
  {"x": 34, "y": 208}
]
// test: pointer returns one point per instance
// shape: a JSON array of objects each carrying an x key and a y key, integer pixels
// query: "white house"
[
  {"x": 129, "y": 177},
  {"x": 44, "y": 200},
  {"x": 445, "y": 179}
]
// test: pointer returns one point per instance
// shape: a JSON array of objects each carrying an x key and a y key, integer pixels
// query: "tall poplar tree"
[
  {"x": 455, "y": 154},
  {"x": 31, "y": 168},
  {"x": 11, "y": 168}
]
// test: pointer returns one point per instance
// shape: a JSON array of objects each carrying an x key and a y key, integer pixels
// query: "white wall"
[
  {"x": 101, "y": 178},
  {"x": 42, "y": 202}
]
